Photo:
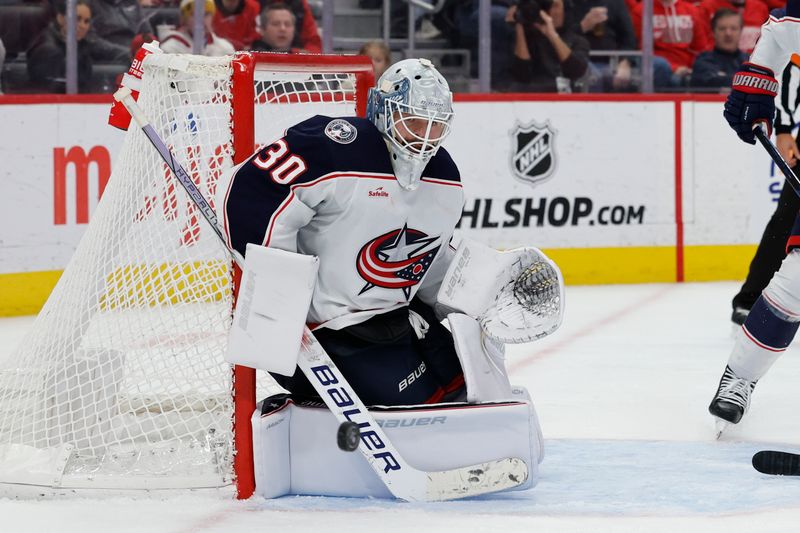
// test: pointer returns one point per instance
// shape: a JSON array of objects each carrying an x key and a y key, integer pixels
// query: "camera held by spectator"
[
  {"x": 529, "y": 12},
  {"x": 548, "y": 55}
]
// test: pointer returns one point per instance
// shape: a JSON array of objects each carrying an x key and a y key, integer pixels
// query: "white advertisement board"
[
  {"x": 567, "y": 174},
  {"x": 729, "y": 187},
  {"x": 557, "y": 174},
  {"x": 55, "y": 160}
]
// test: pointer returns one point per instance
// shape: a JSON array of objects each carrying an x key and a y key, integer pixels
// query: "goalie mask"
[{"x": 412, "y": 107}]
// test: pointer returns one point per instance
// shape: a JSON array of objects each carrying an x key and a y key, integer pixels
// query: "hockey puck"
[{"x": 348, "y": 436}]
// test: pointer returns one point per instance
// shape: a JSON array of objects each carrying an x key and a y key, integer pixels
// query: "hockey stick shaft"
[
  {"x": 402, "y": 480},
  {"x": 776, "y": 156}
]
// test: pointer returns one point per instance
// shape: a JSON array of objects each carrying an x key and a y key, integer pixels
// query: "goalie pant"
[
  {"x": 388, "y": 361},
  {"x": 291, "y": 458}
]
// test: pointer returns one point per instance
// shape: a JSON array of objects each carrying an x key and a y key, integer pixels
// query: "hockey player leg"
[{"x": 765, "y": 335}]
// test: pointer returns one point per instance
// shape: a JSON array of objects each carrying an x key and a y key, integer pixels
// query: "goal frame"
[{"x": 121, "y": 387}]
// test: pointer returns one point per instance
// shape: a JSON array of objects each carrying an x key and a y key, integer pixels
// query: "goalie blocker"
[{"x": 296, "y": 451}]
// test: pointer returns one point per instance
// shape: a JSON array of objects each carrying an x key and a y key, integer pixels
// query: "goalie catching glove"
[
  {"x": 516, "y": 296},
  {"x": 751, "y": 101}
]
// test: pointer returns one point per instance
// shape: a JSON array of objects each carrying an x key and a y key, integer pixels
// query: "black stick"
[{"x": 776, "y": 156}]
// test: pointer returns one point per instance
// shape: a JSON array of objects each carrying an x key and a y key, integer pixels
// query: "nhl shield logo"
[{"x": 533, "y": 159}]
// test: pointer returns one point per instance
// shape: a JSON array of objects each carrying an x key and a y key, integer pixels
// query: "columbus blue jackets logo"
[
  {"x": 398, "y": 259},
  {"x": 533, "y": 157},
  {"x": 341, "y": 131}
]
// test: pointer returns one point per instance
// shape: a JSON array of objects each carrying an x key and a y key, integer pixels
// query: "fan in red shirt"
[
  {"x": 236, "y": 21},
  {"x": 754, "y": 14},
  {"x": 679, "y": 34}
]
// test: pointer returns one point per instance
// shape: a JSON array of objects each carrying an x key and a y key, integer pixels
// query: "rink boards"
[{"x": 616, "y": 190}]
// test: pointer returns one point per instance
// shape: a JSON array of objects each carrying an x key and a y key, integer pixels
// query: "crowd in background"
[
  {"x": 109, "y": 33},
  {"x": 537, "y": 45},
  {"x": 592, "y": 45}
]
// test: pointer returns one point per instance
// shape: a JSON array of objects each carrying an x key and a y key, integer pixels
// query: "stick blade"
[
  {"x": 777, "y": 463},
  {"x": 483, "y": 478}
]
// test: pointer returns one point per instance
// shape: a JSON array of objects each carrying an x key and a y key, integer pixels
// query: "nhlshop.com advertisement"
[{"x": 645, "y": 189}]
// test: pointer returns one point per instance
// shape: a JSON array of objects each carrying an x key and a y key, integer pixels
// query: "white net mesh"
[{"x": 121, "y": 382}]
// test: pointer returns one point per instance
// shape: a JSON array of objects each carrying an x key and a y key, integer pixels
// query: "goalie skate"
[{"x": 731, "y": 401}]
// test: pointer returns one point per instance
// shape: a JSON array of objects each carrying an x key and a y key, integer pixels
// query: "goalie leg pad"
[
  {"x": 272, "y": 468},
  {"x": 306, "y": 460},
  {"x": 482, "y": 360},
  {"x": 537, "y": 439}
]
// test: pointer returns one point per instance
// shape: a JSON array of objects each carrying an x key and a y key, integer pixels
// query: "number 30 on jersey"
[{"x": 283, "y": 167}]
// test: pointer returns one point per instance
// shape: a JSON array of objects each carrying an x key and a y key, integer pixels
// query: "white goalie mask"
[{"x": 412, "y": 106}]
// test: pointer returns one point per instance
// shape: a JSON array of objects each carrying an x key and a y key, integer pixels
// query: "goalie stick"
[
  {"x": 776, "y": 156},
  {"x": 777, "y": 463},
  {"x": 403, "y": 481}
]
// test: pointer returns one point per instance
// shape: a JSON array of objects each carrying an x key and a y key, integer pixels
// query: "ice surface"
[{"x": 621, "y": 389}]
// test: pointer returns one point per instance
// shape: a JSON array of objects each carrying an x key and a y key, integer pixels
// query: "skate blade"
[{"x": 720, "y": 426}]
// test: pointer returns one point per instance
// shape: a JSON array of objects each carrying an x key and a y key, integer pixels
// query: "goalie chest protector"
[{"x": 327, "y": 188}]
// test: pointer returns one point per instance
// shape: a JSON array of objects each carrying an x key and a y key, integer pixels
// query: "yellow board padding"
[
  {"x": 717, "y": 262},
  {"x": 166, "y": 284},
  {"x": 128, "y": 286},
  {"x": 597, "y": 266},
  {"x": 25, "y": 293}
]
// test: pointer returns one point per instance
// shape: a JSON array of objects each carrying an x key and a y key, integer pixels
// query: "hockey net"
[{"x": 121, "y": 383}]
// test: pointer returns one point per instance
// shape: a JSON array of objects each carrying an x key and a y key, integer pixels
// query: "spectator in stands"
[
  {"x": 180, "y": 40},
  {"x": 607, "y": 25},
  {"x": 679, "y": 34},
  {"x": 306, "y": 35},
  {"x": 717, "y": 67},
  {"x": 754, "y": 13},
  {"x": 236, "y": 21},
  {"x": 277, "y": 30},
  {"x": 380, "y": 55},
  {"x": 47, "y": 56},
  {"x": 548, "y": 56},
  {"x": 114, "y": 25},
  {"x": 458, "y": 20}
]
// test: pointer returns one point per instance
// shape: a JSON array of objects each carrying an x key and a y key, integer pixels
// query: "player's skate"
[{"x": 731, "y": 400}]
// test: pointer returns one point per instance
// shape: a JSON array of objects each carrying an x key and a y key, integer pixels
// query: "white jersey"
[
  {"x": 327, "y": 189},
  {"x": 780, "y": 38}
]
